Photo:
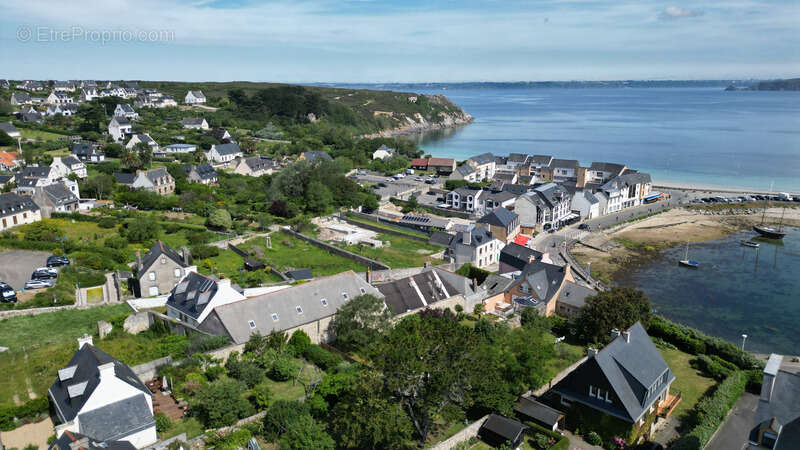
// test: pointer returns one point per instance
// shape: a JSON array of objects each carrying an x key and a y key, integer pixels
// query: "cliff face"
[{"x": 442, "y": 114}]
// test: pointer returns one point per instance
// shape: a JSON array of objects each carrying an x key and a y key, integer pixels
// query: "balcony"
[{"x": 666, "y": 407}]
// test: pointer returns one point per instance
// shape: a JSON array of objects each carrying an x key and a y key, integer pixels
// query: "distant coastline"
[{"x": 792, "y": 84}]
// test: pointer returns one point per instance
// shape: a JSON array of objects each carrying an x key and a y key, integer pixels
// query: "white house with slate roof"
[
  {"x": 586, "y": 204},
  {"x": 119, "y": 127},
  {"x": 195, "y": 98},
  {"x": 142, "y": 137},
  {"x": 477, "y": 246},
  {"x": 383, "y": 152},
  {"x": 67, "y": 165},
  {"x": 224, "y": 153},
  {"x": 626, "y": 190},
  {"x": 125, "y": 110},
  {"x": 101, "y": 398},
  {"x": 195, "y": 296},
  {"x": 156, "y": 180},
  {"x": 194, "y": 123},
  {"x": 203, "y": 174}
]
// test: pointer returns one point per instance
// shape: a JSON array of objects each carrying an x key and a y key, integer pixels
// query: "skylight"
[
  {"x": 274, "y": 317},
  {"x": 324, "y": 302},
  {"x": 252, "y": 324},
  {"x": 299, "y": 309}
]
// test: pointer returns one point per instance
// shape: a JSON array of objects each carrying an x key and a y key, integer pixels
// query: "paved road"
[
  {"x": 733, "y": 433},
  {"x": 16, "y": 266}
]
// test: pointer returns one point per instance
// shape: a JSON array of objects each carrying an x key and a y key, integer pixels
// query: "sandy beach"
[
  {"x": 612, "y": 250},
  {"x": 711, "y": 189}
]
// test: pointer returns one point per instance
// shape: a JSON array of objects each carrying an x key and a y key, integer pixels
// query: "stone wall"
[
  {"x": 378, "y": 229},
  {"x": 466, "y": 434},
  {"x": 145, "y": 303},
  {"x": 149, "y": 370}
]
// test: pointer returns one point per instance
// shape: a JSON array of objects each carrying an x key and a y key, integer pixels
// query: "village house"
[
  {"x": 538, "y": 285},
  {"x": 627, "y": 190},
  {"x": 776, "y": 424},
  {"x": 31, "y": 86},
  {"x": 561, "y": 170},
  {"x": 125, "y": 110},
  {"x": 175, "y": 149},
  {"x": 203, "y": 174},
  {"x": 64, "y": 166},
  {"x": 572, "y": 299},
  {"x": 20, "y": 98},
  {"x": 224, "y": 153},
  {"x": 553, "y": 204},
  {"x": 194, "y": 123},
  {"x": 432, "y": 287},
  {"x": 9, "y": 161},
  {"x": 314, "y": 157},
  {"x": 476, "y": 246},
  {"x": 31, "y": 116},
  {"x": 58, "y": 98},
  {"x": 156, "y": 180},
  {"x": 254, "y": 166},
  {"x": 476, "y": 168},
  {"x": 159, "y": 270},
  {"x": 383, "y": 152},
  {"x": 514, "y": 257},
  {"x": 119, "y": 128},
  {"x": 503, "y": 224},
  {"x": 599, "y": 173},
  {"x": 55, "y": 197},
  {"x": 442, "y": 166},
  {"x": 195, "y": 296},
  {"x": 76, "y": 441},
  {"x": 310, "y": 307},
  {"x": 419, "y": 164},
  {"x": 67, "y": 110},
  {"x": 88, "y": 152},
  {"x": 100, "y": 397},
  {"x": 586, "y": 204},
  {"x": 17, "y": 210},
  {"x": 10, "y": 130},
  {"x": 142, "y": 137},
  {"x": 464, "y": 199},
  {"x": 88, "y": 94},
  {"x": 194, "y": 98},
  {"x": 220, "y": 134},
  {"x": 627, "y": 380},
  {"x": 64, "y": 86}
]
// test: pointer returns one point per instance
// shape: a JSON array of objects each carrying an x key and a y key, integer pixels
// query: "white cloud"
[{"x": 673, "y": 12}]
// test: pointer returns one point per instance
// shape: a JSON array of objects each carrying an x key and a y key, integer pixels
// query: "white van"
[{"x": 785, "y": 196}]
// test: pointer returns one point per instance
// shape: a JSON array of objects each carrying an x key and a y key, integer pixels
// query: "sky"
[{"x": 362, "y": 41}]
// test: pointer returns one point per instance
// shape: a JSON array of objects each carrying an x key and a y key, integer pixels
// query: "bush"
[
  {"x": 222, "y": 403},
  {"x": 162, "y": 422},
  {"x": 29, "y": 409},
  {"x": 247, "y": 372},
  {"x": 262, "y": 396},
  {"x": 107, "y": 222},
  {"x": 282, "y": 369},
  {"x": 202, "y": 343},
  {"x": 712, "y": 368},
  {"x": 44, "y": 230},
  {"x": 204, "y": 251},
  {"x": 117, "y": 242},
  {"x": 201, "y": 237},
  {"x": 299, "y": 342},
  {"x": 322, "y": 358},
  {"x": 593, "y": 438}
]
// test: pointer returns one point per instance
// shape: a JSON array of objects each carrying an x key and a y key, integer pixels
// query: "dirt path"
[{"x": 34, "y": 433}]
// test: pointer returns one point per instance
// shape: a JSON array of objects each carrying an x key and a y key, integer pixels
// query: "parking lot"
[
  {"x": 16, "y": 266},
  {"x": 386, "y": 186}
]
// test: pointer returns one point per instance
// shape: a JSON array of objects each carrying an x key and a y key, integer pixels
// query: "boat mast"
[
  {"x": 780, "y": 224},
  {"x": 687, "y": 251}
]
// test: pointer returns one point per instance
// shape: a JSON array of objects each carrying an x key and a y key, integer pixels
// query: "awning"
[
  {"x": 522, "y": 240},
  {"x": 570, "y": 216},
  {"x": 654, "y": 196}
]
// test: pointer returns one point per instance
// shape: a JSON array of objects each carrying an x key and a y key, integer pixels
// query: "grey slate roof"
[
  {"x": 8, "y": 127},
  {"x": 575, "y": 295},
  {"x": 420, "y": 290},
  {"x": 544, "y": 279},
  {"x": 519, "y": 158},
  {"x": 197, "y": 121},
  {"x": 70, "y": 161},
  {"x": 75, "y": 441},
  {"x": 192, "y": 295},
  {"x": 82, "y": 149},
  {"x": 504, "y": 427},
  {"x": 465, "y": 169},
  {"x": 540, "y": 160},
  {"x": 35, "y": 172},
  {"x": 21, "y": 97},
  {"x": 565, "y": 163},
  {"x": 316, "y": 156},
  {"x": 125, "y": 178},
  {"x": 11, "y": 203},
  {"x": 538, "y": 411},
  {"x": 5, "y": 179},
  {"x": 159, "y": 172},
  {"x": 607, "y": 167},
  {"x": 782, "y": 406},
  {"x": 479, "y": 236},
  {"x": 235, "y": 317},
  {"x": 500, "y": 217},
  {"x": 627, "y": 179},
  {"x": 204, "y": 171},
  {"x": 518, "y": 256},
  {"x": 498, "y": 196},
  {"x": 117, "y": 420},
  {"x": 256, "y": 163},
  {"x": 300, "y": 274},
  {"x": 121, "y": 121},
  {"x": 590, "y": 197},
  {"x": 86, "y": 362},
  {"x": 441, "y": 238},
  {"x": 156, "y": 251},
  {"x": 59, "y": 194},
  {"x": 483, "y": 158},
  {"x": 228, "y": 149},
  {"x": 550, "y": 193},
  {"x": 495, "y": 284},
  {"x": 126, "y": 108},
  {"x": 630, "y": 368}
]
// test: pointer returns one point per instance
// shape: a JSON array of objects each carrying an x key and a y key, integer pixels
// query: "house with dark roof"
[
  {"x": 572, "y": 299},
  {"x": 254, "y": 166},
  {"x": 503, "y": 224},
  {"x": 514, "y": 257},
  {"x": 142, "y": 138},
  {"x": 628, "y": 380},
  {"x": 430, "y": 288},
  {"x": 101, "y": 398},
  {"x": 125, "y": 110},
  {"x": 88, "y": 152},
  {"x": 561, "y": 170},
  {"x": 627, "y": 190},
  {"x": 776, "y": 425},
  {"x": 465, "y": 172},
  {"x": 21, "y": 98},
  {"x": 119, "y": 128},
  {"x": 203, "y": 174},
  {"x": 314, "y": 157},
  {"x": 159, "y": 270},
  {"x": 156, "y": 180},
  {"x": 540, "y": 413},
  {"x": 17, "y": 210},
  {"x": 477, "y": 246},
  {"x": 195, "y": 296},
  {"x": 77, "y": 441},
  {"x": 498, "y": 430},
  {"x": 220, "y": 134},
  {"x": 599, "y": 173},
  {"x": 67, "y": 165},
  {"x": 539, "y": 284},
  {"x": 10, "y": 130},
  {"x": 194, "y": 123},
  {"x": 55, "y": 197},
  {"x": 224, "y": 153},
  {"x": 465, "y": 199},
  {"x": 309, "y": 306},
  {"x": 586, "y": 204}
]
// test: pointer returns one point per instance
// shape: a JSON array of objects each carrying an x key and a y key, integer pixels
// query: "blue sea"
[{"x": 704, "y": 136}]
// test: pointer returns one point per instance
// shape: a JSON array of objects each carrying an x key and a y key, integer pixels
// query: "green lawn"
[
  {"x": 398, "y": 252},
  {"x": 689, "y": 381},
  {"x": 189, "y": 425},
  {"x": 289, "y": 252},
  {"x": 39, "y": 135},
  {"x": 87, "y": 232},
  {"x": 226, "y": 264},
  {"x": 565, "y": 354}
]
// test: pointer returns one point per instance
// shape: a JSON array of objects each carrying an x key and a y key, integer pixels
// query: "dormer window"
[
  {"x": 324, "y": 302},
  {"x": 344, "y": 295},
  {"x": 363, "y": 291},
  {"x": 274, "y": 317},
  {"x": 252, "y": 324},
  {"x": 299, "y": 309},
  {"x": 163, "y": 260}
]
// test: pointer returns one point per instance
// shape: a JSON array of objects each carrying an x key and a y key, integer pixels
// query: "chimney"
[
  {"x": 627, "y": 336},
  {"x": 592, "y": 352},
  {"x": 85, "y": 339},
  {"x": 614, "y": 334},
  {"x": 80, "y": 443},
  {"x": 106, "y": 371},
  {"x": 466, "y": 236},
  {"x": 426, "y": 264},
  {"x": 138, "y": 260},
  {"x": 475, "y": 284},
  {"x": 770, "y": 372},
  {"x": 185, "y": 255}
]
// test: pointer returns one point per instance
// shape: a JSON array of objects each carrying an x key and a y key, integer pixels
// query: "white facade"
[
  {"x": 194, "y": 98},
  {"x": 63, "y": 169},
  {"x": 117, "y": 130}
]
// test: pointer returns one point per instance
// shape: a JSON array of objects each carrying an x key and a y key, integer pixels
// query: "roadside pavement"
[{"x": 734, "y": 431}]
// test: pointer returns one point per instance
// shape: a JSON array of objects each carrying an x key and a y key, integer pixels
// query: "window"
[
  {"x": 324, "y": 302},
  {"x": 274, "y": 317},
  {"x": 591, "y": 392},
  {"x": 344, "y": 295},
  {"x": 363, "y": 291},
  {"x": 163, "y": 260},
  {"x": 24, "y": 215},
  {"x": 252, "y": 324},
  {"x": 152, "y": 276},
  {"x": 299, "y": 309},
  {"x": 525, "y": 288},
  {"x": 153, "y": 291},
  {"x": 177, "y": 273}
]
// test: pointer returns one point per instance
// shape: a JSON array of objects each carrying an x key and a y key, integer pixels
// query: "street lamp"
[{"x": 744, "y": 338}]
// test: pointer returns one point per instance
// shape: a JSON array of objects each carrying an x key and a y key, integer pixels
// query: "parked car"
[
  {"x": 7, "y": 293},
  {"x": 38, "y": 284},
  {"x": 44, "y": 273},
  {"x": 56, "y": 261},
  {"x": 584, "y": 226},
  {"x": 429, "y": 181}
]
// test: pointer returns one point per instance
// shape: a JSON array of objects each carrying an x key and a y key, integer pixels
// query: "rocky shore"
[{"x": 417, "y": 124}]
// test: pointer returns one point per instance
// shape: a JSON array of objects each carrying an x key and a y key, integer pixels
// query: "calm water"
[
  {"x": 736, "y": 290},
  {"x": 698, "y": 135}
]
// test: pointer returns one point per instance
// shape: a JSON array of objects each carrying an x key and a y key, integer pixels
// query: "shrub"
[
  {"x": 107, "y": 222},
  {"x": 162, "y": 422},
  {"x": 711, "y": 367},
  {"x": 593, "y": 438},
  {"x": 247, "y": 372},
  {"x": 322, "y": 358},
  {"x": 262, "y": 396},
  {"x": 204, "y": 251},
  {"x": 44, "y": 230},
  {"x": 299, "y": 342},
  {"x": 117, "y": 242},
  {"x": 202, "y": 343},
  {"x": 222, "y": 403},
  {"x": 201, "y": 238},
  {"x": 459, "y": 308},
  {"x": 282, "y": 369}
]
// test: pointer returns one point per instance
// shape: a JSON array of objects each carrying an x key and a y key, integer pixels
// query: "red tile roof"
[
  {"x": 418, "y": 162},
  {"x": 522, "y": 240},
  {"x": 441, "y": 161}
]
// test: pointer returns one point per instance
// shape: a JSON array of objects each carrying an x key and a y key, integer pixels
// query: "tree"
[
  {"x": 318, "y": 197},
  {"x": 130, "y": 159},
  {"x": 222, "y": 403},
  {"x": 411, "y": 205},
  {"x": 306, "y": 434},
  {"x": 98, "y": 185},
  {"x": 114, "y": 150},
  {"x": 145, "y": 154},
  {"x": 299, "y": 342},
  {"x": 281, "y": 415},
  {"x": 5, "y": 139},
  {"x": 359, "y": 322},
  {"x": 142, "y": 229},
  {"x": 44, "y": 230},
  {"x": 618, "y": 307},
  {"x": 366, "y": 417},
  {"x": 220, "y": 219}
]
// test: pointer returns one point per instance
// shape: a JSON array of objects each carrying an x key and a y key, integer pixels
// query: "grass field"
[
  {"x": 39, "y": 135},
  {"x": 398, "y": 252},
  {"x": 226, "y": 264},
  {"x": 88, "y": 232},
  {"x": 689, "y": 381},
  {"x": 290, "y": 252}
]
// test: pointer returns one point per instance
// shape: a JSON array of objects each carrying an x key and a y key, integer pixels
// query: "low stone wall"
[
  {"x": 238, "y": 251},
  {"x": 380, "y": 229},
  {"x": 339, "y": 251},
  {"x": 149, "y": 370},
  {"x": 36, "y": 311},
  {"x": 466, "y": 434}
]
